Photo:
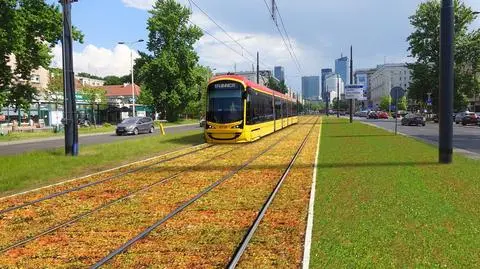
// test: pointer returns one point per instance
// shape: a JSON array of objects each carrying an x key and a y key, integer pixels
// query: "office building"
[
  {"x": 325, "y": 72},
  {"x": 341, "y": 68},
  {"x": 279, "y": 73},
  {"x": 385, "y": 78},
  {"x": 334, "y": 85},
  {"x": 363, "y": 77},
  {"x": 311, "y": 88}
]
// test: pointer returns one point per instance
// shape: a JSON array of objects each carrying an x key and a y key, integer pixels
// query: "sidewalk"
[
  {"x": 61, "y": 137},
  {"x": 384, "y": 201}
]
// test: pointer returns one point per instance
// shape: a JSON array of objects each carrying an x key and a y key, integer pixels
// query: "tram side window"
[
  {"x": 259, "y": 108},
  {"x": 284, "y": 108},
  {"x": 294, "y": 110},
  {"x": 278, "y": 108}
]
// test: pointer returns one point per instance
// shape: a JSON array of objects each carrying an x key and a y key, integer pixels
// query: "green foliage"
[
  {"x": 88, "y": 75},
  {"x": 309, "y": 106},
  {"x": 114, "y": 80},
  {"x": 28, "y": 30},
  {"x": 276, "y": 85},
  {"x": 343, "y": 105},
  {"x": 385, "y": 102},
  {"x": 403, "y": 103},
  {"x": 169, "y": 73},
  {"x": 107, "y": 125},
  {"x": 93, "y": 95},
  {"x": 425, "y": 47},
  {"x": 54, "y": 91}
]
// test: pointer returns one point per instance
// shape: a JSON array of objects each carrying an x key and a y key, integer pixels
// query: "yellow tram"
[{"x": 239, "y": 110}]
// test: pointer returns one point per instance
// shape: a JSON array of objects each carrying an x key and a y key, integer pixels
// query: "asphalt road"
[
  {"x": 85, "y": 140},
  {"x": 464, "y": 137}
]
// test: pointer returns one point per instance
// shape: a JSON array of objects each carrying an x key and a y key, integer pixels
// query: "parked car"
[
  {"x": 413, "y": 119},
  {"x": 459, "y": 117},
  {"x": 135, "y": 126},
  {"x": 470, "y": 118},
  {"x": 400, "y": 114},
  {"x": 372, "y": 115},
  {"x": 435, "y": 118},
  {"x": 382, "y": 115}
]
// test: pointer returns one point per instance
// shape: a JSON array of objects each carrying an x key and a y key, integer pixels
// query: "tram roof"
[{"x": 252, "y": 84}]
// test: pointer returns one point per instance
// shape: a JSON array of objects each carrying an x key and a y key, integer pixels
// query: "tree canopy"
[
  {"x": 168, "y": 73},
  {"x": 28, "y": 31},
  {"x": 425, "y": 47},
  {"x": 276, "y": 85}
]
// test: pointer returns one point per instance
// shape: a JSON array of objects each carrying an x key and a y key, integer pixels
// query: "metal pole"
[
  {"x": 351, "y": 82},
  {"x": 258, "y": 68},
  {"x": 446, "y": 82},
  {"x": 396, "y": 111},
  {"x": 338, "y": 96},
  {"x": 133, "y": 84},
  {"x": 326, "y": 98},
  {"x": 71, "y": 128}
]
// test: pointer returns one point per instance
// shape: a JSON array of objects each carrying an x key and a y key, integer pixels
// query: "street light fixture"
[{"x": 131, "y": 65}]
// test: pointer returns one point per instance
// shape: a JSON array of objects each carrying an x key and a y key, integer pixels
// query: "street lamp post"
[
  {"x": 131, "y": 65},
  {"x": 338, "y": 96}
]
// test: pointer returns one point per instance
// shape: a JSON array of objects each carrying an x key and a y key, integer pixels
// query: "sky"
[{"x": 319, "y": 31}]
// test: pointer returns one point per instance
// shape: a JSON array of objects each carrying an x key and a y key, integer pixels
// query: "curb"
[
  {"x": 27, "y": 141},
  {"x": 464, "y": 152},
  {"x": 309, "y": 230}
]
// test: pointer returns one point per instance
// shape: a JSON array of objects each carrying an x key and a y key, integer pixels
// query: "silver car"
[
  {"x": 135, "y": 126},
  {"x": 459, "y": 116}
]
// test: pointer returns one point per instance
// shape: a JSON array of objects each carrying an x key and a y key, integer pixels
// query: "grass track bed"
[
  {"x": 207, "y": 233},
  {"x": 88, "y": 240}
]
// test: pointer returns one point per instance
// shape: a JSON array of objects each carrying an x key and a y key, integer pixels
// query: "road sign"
[
  {"x": 429, "y": 101},
  {"x": 397, "y": 92},
  {"x": 353, "y": 91}
]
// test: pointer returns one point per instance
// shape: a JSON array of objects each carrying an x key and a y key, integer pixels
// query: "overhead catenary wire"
[
  {"x": 289, "y": 49},
  {"x": 226, "y": 33},
  {"x": 286, "y": 33}
]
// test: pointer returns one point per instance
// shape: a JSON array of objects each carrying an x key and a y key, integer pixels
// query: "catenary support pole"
[
  {"x": 70, "y": 122},
  {"x": 258, "y": 68},
  {"x": 351, "y": 82},
  {"x": 446, "y": 82}
]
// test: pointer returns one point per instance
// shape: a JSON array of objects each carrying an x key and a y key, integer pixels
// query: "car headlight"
[{"x": 131, "y": 127}]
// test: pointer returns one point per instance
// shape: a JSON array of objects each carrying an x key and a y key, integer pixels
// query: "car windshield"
[
  {"x": 225, "y": 103},
  {"x": 130, "y": 121}
]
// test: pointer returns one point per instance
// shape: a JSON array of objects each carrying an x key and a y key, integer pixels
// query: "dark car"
[
  {"x": 135, "y": 126},
  {"x": 372, "y": 115},
  {"x": 469, "y": 119},
  {"x": 413, "y": 119},
  {"x": 435, "y": 118}
]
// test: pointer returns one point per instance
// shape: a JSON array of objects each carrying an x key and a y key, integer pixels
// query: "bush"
[{"x": 106, "y": 125}]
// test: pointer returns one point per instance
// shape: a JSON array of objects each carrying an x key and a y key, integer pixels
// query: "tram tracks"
[{"x": 147, "y": 188}]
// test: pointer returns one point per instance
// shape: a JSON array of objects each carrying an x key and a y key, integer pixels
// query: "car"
[
  {"x": 413, "y": 119},
  {"x": 372, "y": 115},
  {"x": 470, "y": 118},
  {"x": 459, "y": 117},
  {"x": 400, "y": 114},
  {"x": 135, "y": 125},
  {"x": 364, "y": 113},
  {"x": 435, "y": 118},
  {"x": 382, "y": 115}
]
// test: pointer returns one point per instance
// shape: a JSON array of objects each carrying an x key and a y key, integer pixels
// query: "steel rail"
[
  {"x": 130, "y": 194},
  {"x": 179, "y": 209},
  {"x": 60, "y": 193},
  {"x": 251, "y": 231}
]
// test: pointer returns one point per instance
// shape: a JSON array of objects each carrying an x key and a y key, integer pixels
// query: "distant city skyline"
[{"x": 311, "y": 88}]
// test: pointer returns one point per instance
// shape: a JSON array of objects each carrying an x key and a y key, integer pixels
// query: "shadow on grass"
[
  {"x": 379, "y": 164},
  {"x": 326, "y": 122},
  {"x": 348, "y": 136}
]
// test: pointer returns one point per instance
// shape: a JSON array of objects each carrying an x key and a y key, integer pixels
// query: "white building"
[
  {"x": 385, "y": 78},
  {"x": 334, "y": 84},
  {"x": 90, "y": 81}
]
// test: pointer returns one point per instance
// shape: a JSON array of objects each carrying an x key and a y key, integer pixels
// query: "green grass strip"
[
  {"x": 39, "y": 168},
  {"x": 383, "y": 201}
]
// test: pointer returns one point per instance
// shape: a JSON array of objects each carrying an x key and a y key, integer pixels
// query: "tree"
[
  {"x": 169, "y": 74},
  {"x": 343, "y": 105},
  {"x": 276, "y": 85},
  {"x": 425, "y": 47},
  {"x": 88, "y": 75},
  {"x": 92, "y": 96},
  {"x": 403, "y": 103},
  {"x": 28, "y": 31},
  {"x": 113, "y": 80},
  {"x": 385, "y": 102},
  {"x": 54, "y": 91}
]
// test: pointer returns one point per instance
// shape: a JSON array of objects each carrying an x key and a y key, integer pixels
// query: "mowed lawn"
[
  {"x": 39, "y": 168},
  {"x": 383, "y": 201}
]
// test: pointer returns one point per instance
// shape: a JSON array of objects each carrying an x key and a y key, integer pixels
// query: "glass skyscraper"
[
  {"x": 341, "y": 68},
  {"x": 311, "y": 88},
  {"x": 279, "y": 73},
  {"x": 325, "y": 72}
]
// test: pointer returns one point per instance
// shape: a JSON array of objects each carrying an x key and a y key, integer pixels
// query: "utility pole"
[
  {"x": 447, "y": 36},
  {"x": 258, "y": 68},
  {"x": 70, "y": 106},
  {"x": 273, "y": 11},
  {"x": 338, "y": 96},
  {"x": 351, "y": 82},
  {"x": 326, "y": 98}
]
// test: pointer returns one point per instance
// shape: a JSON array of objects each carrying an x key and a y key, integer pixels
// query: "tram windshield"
[{"x": 225, "y": 103}]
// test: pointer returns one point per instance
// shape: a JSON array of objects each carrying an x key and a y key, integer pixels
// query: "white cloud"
[
  {"x": 98, "y": 61},
  {"x": 140, "y": 4}
]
